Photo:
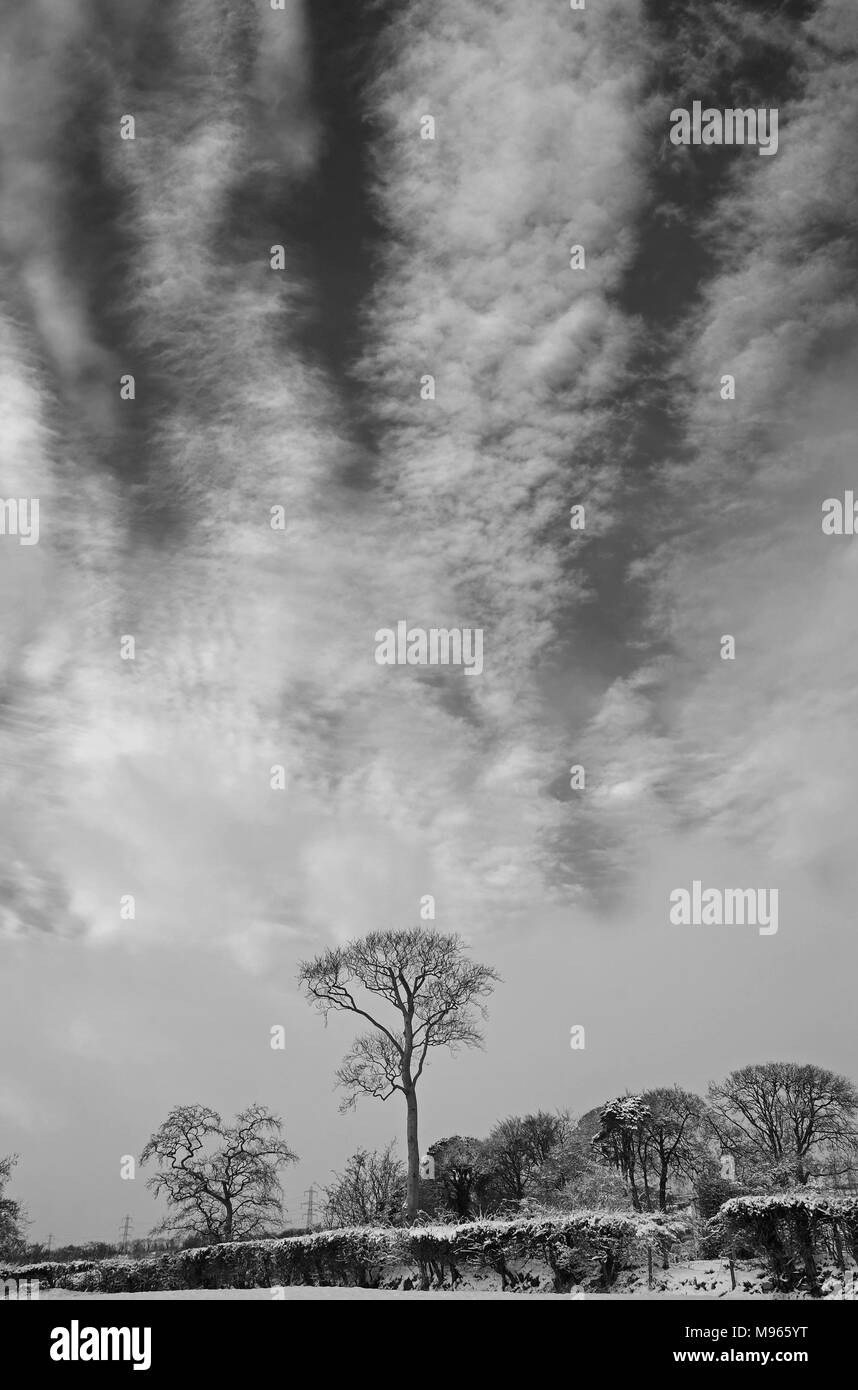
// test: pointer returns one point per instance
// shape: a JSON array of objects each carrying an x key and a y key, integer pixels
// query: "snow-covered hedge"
[
  {"x": 794, "y": 1231},
  {"x": 593, "y": 1246},
  {"x": 50, "y": 1273}
]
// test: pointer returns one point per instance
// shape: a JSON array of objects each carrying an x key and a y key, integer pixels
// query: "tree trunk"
[
  {"x": 804, "y": 1229},
  {"x": 636, "y": 1201},
  {"x": 838, "y": 1246},
  {"x": 647, "y": 1197},
  {"x": 413, "y": 1155}
]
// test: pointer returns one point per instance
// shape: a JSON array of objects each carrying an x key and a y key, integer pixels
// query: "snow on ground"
[
  {"x": 693, "y": 1279},
  {"x": 307, "y": 1292},
  {"x": 706, "y": 1279}
]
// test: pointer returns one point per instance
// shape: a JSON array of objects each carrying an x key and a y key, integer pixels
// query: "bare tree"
[
  {"x": 670, "y": 1139},
  {"x": 433, "y": 992},
  {"x": 221, "y": 1180},
  {"x": 12, "y": 1216},
  {"x": 371, "y": 1192},
  {"x": 520, "y": 1148},
  {"x": 795, "y": 1118}
]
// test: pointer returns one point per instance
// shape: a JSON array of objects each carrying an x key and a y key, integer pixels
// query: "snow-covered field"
[
  {"x": 697, "y": 1279},
  {"x": 265, "y": 1295}
]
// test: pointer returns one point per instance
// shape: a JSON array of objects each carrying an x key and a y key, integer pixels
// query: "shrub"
[
  {"x": 594, "y": 1245},
  {"x": 712, "y": 1191},
  {"x": 792, "y": 1231}
]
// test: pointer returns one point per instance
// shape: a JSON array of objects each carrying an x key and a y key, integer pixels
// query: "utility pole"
[
  {"x": 308, "y": 1193},
  {"x": 125, "y": 1228},
  {"x": 50, "y": 1238}
]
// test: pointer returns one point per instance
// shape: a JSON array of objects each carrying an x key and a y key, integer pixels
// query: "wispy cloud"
[
  {"x": 255, "y": 647},
  {"x": 528, "y": 356},
  {"x": 756, "y": 753}
]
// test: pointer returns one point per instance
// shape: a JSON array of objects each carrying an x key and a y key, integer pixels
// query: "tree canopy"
[
  {"x": 419, "y": 990},
  {"x": 221, "y": 1181},
  {"x": 12, "y": 1217},
  {"x": 789, "y": 1118}
]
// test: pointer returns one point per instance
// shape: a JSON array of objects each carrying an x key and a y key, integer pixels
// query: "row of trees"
[
  {"x": 779, "y": 1124},
  {"x": 418, "y": 990},
  {"x": 782, "y": 1124}
]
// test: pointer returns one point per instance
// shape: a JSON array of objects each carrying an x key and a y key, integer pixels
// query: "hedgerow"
[
  {"x": 593, "y": 1246},
  {"x": 793, "y": 1231}
]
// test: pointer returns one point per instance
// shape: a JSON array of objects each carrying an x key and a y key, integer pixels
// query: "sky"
[{"x": 300, "y": 388}]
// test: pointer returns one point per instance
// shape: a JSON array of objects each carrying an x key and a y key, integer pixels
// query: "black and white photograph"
[{"x": 429, "y": 650}]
